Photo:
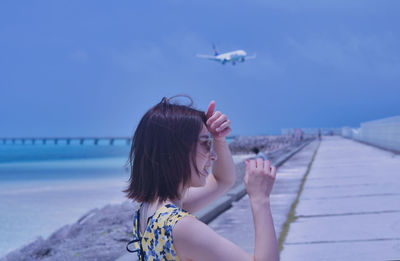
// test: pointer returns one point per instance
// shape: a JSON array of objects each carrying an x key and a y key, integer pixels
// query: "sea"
[{"x": 46, "y": 186}]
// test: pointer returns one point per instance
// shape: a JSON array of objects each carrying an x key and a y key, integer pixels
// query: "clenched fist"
[
  {"x": 259, "y": 178},
  {"x": 218, "y": 124}
]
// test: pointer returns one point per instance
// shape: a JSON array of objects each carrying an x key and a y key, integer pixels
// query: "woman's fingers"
[
  {"x": 273, "y": 171},
  {"x": 224, "y": 132},
  {"x": 259, "y": 177},
  {"x": 210, "y": 110},
  {"x": 224, "y": 125},
  {"x": 214, "y": 117},
  {"x": 217, "y": 123},
  {"x": 260, "y": 163},
  {"x": 252, "y": 166},
  {"x": 246, "y": 175}
]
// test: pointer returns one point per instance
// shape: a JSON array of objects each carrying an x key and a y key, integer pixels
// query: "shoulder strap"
[{"x": 136, "y": 238}]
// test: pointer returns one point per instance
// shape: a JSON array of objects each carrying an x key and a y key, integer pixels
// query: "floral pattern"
[{"x": 156, "y": 242}]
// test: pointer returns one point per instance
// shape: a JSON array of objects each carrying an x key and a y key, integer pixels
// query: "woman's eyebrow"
[{"x": 204, "y": 136}]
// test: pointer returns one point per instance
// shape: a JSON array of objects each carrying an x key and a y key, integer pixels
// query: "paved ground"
[
  {"x": 236, "y": 224},
  {"x": 350, "y": 206}
]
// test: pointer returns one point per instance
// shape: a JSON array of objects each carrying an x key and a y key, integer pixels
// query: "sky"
[{"x": 93, "y": 68}]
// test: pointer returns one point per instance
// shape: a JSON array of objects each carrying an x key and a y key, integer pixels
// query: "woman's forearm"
[
  {"x": 266, "y": 245},
  {"x": 224, "y": 168}
]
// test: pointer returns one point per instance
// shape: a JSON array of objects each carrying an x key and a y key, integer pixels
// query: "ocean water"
[{"x": 43, "y": 187}]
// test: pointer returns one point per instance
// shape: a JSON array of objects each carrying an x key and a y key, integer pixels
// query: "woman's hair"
[{"x": 163, "y": 144}]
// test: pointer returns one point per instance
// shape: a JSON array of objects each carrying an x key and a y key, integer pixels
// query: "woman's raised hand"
[
  {"x": 259, "y": 178},
  {"x": 218, "y": 124}
]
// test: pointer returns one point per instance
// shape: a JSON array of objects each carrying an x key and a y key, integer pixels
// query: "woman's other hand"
[
  {"x": 218, "y": 124},
  {"x": 259, "y": 179}
]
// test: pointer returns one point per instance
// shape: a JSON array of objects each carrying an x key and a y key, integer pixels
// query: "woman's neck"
[
  {"x": 176, "y": 202},
  {"x": 153, "y": 206},
  {"x": 149, "y": 208}
]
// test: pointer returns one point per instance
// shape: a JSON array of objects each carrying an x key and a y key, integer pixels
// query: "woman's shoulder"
[
  {"x": 189, "y": 235},
  {"x": 194, "y": 240},
  {"x": 188, "y": 226}
]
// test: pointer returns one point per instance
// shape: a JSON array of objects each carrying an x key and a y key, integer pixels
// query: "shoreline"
[{"x": 34, "y": 250}]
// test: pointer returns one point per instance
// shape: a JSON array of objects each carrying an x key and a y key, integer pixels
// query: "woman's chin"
[
  {"x": 200, "y": 180},
  {"x": 199, "y": 183}
]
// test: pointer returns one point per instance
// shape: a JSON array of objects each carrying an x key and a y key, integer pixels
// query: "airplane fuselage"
[
  {"x": 232, "y": 57},
  {"x": 229, "y": 57}
]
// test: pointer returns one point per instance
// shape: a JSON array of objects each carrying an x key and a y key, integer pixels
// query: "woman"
[{"x": 173, "y": 150}]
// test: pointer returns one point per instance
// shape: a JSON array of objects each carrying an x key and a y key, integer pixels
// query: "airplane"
[{"x": 230, "y": 57}]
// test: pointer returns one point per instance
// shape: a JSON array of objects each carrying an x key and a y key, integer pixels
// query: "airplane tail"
[{"x": 215, "y": 50}]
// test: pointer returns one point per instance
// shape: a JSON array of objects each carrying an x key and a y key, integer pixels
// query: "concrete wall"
[
  {"x": 313, "y": 131},
  {"x": 384, "y": 133}
]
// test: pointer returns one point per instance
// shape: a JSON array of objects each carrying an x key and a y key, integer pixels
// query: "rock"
[
  {"x": 245, "y": 144},
  {"x": 97, "y": 235},
  {"x": 30, "y": 252},
  {"x": 60, "y": 234}
]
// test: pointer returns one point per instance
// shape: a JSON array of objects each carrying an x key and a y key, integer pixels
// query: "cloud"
[
  {"x": 368, "y": 53},
  {"x": 175, "y": 50}
]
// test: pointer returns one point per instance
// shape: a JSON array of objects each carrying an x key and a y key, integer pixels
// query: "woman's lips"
[{"x": 205, "y": 172}]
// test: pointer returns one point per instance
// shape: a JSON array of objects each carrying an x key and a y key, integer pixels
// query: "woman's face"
[{"x": 205, "y": 154}]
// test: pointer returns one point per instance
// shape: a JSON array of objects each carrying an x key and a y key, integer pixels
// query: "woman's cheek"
[{"x": 203, "y": 156}]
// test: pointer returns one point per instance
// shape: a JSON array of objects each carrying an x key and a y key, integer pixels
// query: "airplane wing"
[
  {"x": 209, "y": 57},
  {"x": 251, "y": 57}
]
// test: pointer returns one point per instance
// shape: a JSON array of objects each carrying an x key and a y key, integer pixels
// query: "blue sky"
[{"x": 92, "y": 68}]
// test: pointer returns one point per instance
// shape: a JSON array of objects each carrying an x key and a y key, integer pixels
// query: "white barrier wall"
[
  {"x": 313, "y": 131},
  {"x": 383, "y": 133},
  {"x": 347, "y": 132}
]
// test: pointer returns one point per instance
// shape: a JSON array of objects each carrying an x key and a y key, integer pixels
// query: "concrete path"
[
  {"x": 350, "y": 206},
  {"x": 236, "y": 223}
]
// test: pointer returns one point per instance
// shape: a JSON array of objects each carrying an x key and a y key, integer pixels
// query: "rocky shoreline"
[{"x": 102, "y": 234}]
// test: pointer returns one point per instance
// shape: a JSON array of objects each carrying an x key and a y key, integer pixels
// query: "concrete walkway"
[
  {"x": 350, "y": 206},
  {"x": 236, "y": 224}
]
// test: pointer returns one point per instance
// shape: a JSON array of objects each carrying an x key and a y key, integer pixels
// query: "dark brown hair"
[{"x": 162, "y": 147}]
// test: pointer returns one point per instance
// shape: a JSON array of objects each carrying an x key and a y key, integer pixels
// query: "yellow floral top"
[{"x": 156, "y": 243}]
